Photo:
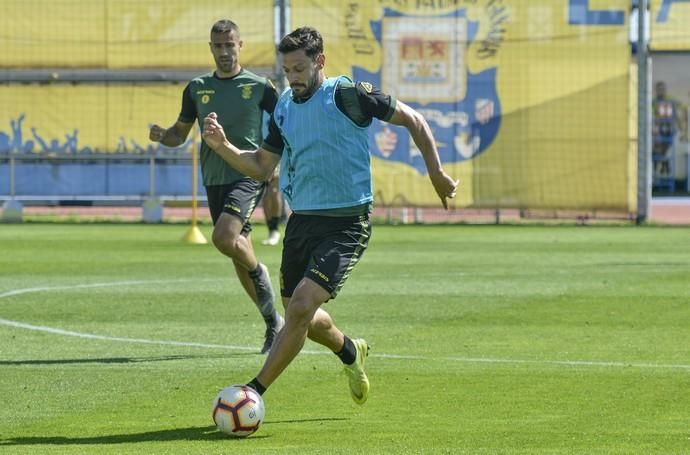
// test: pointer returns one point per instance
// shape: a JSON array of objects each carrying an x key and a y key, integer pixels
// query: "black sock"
[
  {"x": 256, "y": 385},
  {"x": 272, "y": 223},
  {"x": 272, "y": 319},
  {"x": 257, "y": 272},
  {"x": 348, "y": 354},
  {"x": 266, "y": 308}
]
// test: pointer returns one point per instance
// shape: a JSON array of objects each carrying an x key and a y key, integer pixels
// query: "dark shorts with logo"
[
  {"x": 238, "y": 198},
  {"x": 322, "y": 248}
]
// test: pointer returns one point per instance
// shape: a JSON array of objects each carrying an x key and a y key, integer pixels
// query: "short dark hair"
[
  {"x": 225, "y": 25},
  {"x": 306, "y": 38}
]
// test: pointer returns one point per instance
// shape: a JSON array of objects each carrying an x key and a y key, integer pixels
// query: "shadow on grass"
[
  {"x": 207, "y": 433},
  {"x": 108, "y": 360},
  {"x": 176, "y": 434}
]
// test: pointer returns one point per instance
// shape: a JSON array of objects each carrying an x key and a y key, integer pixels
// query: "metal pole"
[
  {"x": 194, "y": 177},
  {"x": 280, "y": 24},
  {"x": 644, "y": 117},
  {"x": 282, "y": 28},
  {"x": 12, "y": 192},
  {"x": 193, "y": 234},
  {"x": 152, "y": 177},
  {"x": 12, "y": 209}
]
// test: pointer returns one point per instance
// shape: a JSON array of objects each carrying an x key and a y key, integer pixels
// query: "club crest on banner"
[{"x": 425, "y": 65}]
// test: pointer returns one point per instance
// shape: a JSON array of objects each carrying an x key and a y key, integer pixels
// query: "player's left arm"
[
  {"x": 268, "y": 105},
  {"x": 419, "y": 129}
]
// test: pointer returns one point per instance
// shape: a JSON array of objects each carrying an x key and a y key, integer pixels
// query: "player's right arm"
[
  {"x": 257, "y": 164},
  {"x": 419, "y": 129},
  {"x": 173, "y": 136},
  {"x": 177, "y": 134}
]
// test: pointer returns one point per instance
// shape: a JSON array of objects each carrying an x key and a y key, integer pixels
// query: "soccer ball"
[{"x": 238, "y": 410}]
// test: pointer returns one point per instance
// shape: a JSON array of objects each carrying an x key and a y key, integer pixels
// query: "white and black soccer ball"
[{"x": 238, "y": 411}]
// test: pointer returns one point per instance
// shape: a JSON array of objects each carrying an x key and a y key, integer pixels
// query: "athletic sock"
[
  {"x": 272, "y": 223},
  {"x": 256, "y": 385},
  {"x": 257, "y": 272},
  {"x": 348, "y": 354},
  {"x": 272, "y": 319},
  {"x": 266, "y": 307}
]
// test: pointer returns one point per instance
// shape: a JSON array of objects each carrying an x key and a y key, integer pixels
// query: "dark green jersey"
[{"x": 239, "y": 102}]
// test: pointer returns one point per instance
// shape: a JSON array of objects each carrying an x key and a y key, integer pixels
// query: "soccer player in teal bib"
[
  {"x": 238, "y": 97},
  {"x": 318, "y": 133}
]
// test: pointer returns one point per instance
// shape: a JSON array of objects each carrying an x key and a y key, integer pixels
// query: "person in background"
[
  {"x": 667, "y": 122},
  {"x": 239, "y": 97},
  {"x": 273, "y": 207}
]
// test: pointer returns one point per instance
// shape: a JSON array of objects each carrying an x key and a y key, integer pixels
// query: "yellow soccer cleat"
[{"x": 359, "y": 383}]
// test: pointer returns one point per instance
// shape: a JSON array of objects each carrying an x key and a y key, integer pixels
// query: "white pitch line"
[
  {"x": 91, "y": 336},
  {"x": 587, "y": 363},
  {"x": 85, "y": 286}
]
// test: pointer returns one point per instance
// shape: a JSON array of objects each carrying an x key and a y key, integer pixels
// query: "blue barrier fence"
[{"x": 102, "y": 178}]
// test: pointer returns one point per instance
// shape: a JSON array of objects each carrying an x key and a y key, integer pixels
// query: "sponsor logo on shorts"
[
  {"x": 320, "y": 274},
  {"x": 232, "y": 207}
]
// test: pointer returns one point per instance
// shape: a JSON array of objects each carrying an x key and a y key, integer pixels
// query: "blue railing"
[{"x": 96, "y": 178}]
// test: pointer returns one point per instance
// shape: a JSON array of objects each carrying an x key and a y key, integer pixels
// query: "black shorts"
[
  {"x": 324, "y": 249},
  {"x": 238, "y": 198}
]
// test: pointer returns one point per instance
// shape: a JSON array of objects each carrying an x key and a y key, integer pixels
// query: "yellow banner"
[
  {"x": 65, "y": 119},
  {"x": 528, "y": 101},
  {"x": 670, "y": 25},
  {"x": 129, "y": 34}
]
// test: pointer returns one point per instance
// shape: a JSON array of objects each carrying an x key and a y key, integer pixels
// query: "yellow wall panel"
[
  {"x": 58, "y": 33},
  {"x": 175, "y": 33},
  {"x": 669, "y": 25},
  {"x": 129, "y": 34}
]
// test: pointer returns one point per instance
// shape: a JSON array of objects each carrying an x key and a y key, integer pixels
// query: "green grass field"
[{"x": 485, "y": 339}]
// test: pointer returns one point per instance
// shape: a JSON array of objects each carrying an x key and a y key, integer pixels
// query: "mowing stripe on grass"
[{"x": 57, "y": 331}]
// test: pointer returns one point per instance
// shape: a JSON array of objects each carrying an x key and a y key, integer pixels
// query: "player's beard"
[
  {"x": 226, "y": 65},
  {"x": 310, "y": 87}
]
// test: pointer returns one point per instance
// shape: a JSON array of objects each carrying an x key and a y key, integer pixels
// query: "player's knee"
[
  {"x": 300, "y": 312},
  {"x": 224, "y": 242},
  {"x": 321, "y": 324},
  {"x": 219, "y": 240}
]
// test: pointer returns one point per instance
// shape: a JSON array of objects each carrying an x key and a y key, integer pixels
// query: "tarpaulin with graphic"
[{"x": 528, "y": 100}]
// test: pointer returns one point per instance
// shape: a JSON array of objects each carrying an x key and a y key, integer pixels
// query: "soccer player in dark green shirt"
[{"x": 239, "y": 97}]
